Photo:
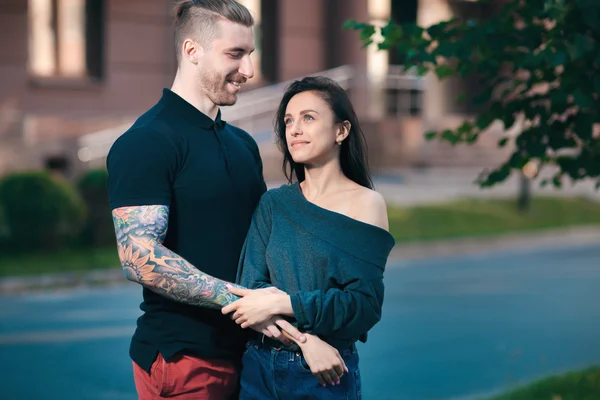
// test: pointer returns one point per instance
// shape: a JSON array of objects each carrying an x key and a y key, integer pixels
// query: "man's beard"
[{"x": 215, "y": 87}]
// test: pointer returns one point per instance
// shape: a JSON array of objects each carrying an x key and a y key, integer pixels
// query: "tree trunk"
[{"x": 524, "y": 202}]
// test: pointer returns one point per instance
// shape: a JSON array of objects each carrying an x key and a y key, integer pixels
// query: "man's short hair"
[{"x": 197, "y": 19}]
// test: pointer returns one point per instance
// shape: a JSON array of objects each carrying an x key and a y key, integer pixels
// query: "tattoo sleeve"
[{"x": 140, "y": 233}]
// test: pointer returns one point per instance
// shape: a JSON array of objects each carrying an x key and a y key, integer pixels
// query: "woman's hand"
[
  {"x": 325, "y": 361},
  {"x": 255, "y": 307}
]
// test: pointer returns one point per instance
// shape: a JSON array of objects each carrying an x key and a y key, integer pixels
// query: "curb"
[
  {"x": 401, "y": 252},
  {"x": 98, "y": 277}
]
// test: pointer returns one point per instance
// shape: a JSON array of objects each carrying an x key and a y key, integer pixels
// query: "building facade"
[{"x": 72, "y": 69}]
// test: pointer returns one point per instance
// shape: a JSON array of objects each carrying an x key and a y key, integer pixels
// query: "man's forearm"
[
  {"x": 164, "y": 272},
  {"x": 140, "y": 232}
]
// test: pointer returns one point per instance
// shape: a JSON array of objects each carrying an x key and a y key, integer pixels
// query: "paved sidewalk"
[{"x": 544, "y": 239}]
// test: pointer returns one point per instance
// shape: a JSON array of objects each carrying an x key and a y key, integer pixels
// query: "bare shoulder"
[{"x": 370, "y": 207}]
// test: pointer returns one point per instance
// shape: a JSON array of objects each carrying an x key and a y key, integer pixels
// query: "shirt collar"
[{"x": 177, "y": 104}]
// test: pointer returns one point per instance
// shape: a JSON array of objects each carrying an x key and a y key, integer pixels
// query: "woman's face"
[{"x": 311, "y": 132}]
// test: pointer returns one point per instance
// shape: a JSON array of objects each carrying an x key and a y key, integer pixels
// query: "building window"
[
  {"x": 254, "y": 6},
  {"x": 65, "y": 38}
]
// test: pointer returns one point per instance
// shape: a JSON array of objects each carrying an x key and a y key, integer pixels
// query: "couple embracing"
[{"x": 247, "y": 293}]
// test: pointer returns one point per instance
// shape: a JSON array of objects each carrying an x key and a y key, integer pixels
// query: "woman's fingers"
[
  {"x": 267, "y": 333},
  {"x": 273, "y": 331}
]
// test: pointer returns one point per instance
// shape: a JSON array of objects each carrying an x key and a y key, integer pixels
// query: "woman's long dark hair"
[{"x": 353, "y": 152}]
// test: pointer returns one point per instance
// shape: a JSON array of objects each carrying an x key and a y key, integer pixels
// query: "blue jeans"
[{"x": 268, "y": 373}]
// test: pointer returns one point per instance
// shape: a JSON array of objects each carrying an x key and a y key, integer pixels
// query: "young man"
[{"x": 183, "y": 185}]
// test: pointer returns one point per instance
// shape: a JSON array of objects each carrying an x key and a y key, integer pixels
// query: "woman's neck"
[{"x": 322, "y": 180}]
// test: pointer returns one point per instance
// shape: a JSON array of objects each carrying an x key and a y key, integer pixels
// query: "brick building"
[{"x": 75, "y": 73}]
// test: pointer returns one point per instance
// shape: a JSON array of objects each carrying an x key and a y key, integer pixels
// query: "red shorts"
[{"x": 186, "y": 377}]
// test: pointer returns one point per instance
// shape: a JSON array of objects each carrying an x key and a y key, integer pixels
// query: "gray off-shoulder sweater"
[{"x": 331, "y": 265}]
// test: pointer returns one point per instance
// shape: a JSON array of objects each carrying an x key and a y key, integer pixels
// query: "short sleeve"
[{"x": 141, "y": 168}]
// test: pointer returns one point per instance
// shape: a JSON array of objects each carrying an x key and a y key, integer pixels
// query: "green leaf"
[
  {"x": 392, "y": 31},
  {"x": 367, "y": 32},
  {"x": 351, "y": 24},
  {"x": 592, "y": 19},
  {"x": 559, "y": 58},
  {"x": 597, "y": 83},
  {"x": 462, "y": 98},
  {"x": 448, "y": 136},
  {"x": 581, "y": 99},
  {"x": 484, "y": 96},
  {"x": 517, "y": 160},
  {"x": 411, "y": 53},
  {"x": 465, "y": 127},
  {"x": 559, "y": 97},
  {"x": 426, "y": 57},
  {"x": 544, "y": 183},
  {"x": 430, "y": 135},
  {"x": 580, "y": 46},
  {"x": 484, "y": 120},
  {"x": 385, "y": 45},
  {"x": 472, "y": 137},
  {"x": 422, "y": 70},
  {"x": 444, "y": 71},
  {"x": 502, "y": 142},
  {"x": 584, "y": 125},
  {"x": 446, "y": 49},
  {"x": 496, "y": 176},
  {"x": 437, "y": 29},
  {"x": 593, "y": 4},
  {"x": 556, "y": 180}
]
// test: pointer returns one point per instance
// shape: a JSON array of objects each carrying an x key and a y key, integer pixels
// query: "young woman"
[{"x": 315, "y": 253}]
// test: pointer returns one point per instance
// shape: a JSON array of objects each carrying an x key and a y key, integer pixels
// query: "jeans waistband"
[{"x": 344, "y": 347}]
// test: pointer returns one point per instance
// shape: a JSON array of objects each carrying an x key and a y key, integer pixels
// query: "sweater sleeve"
[
  {"x": 253, "y": 272},
  {"x": 347, "y": 312}
]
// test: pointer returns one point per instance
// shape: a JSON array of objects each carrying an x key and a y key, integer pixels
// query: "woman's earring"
[{"x": 339, "y": 143}]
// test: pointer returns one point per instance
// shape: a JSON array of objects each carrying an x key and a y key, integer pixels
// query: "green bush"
[
  {"x": 3, "y": 231},
  {"x": 99, "y": 230},
  {"x": 41, "y": 211}
]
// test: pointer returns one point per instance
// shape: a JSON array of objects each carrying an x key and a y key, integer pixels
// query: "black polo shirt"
[{"x": 209, "y": 173}]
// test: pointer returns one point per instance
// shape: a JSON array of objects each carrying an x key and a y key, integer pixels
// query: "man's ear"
[{"x": 191, "y": 50}]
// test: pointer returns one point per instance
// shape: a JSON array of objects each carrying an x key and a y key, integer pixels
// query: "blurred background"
[{"x": 487, "y": 292}]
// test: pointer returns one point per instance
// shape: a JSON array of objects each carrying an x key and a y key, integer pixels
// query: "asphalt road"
[{"x": 456, "y": 328}]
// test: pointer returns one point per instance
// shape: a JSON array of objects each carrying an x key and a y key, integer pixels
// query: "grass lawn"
[
  {"x": 76, "y": 260},
  {"x": 477, "y": 218},
  {"x": 577, "y": 385},
  {"x": 466, "y": 218}
]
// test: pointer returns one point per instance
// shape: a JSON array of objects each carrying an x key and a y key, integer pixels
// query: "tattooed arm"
[{"x": 140, "y": 232}]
